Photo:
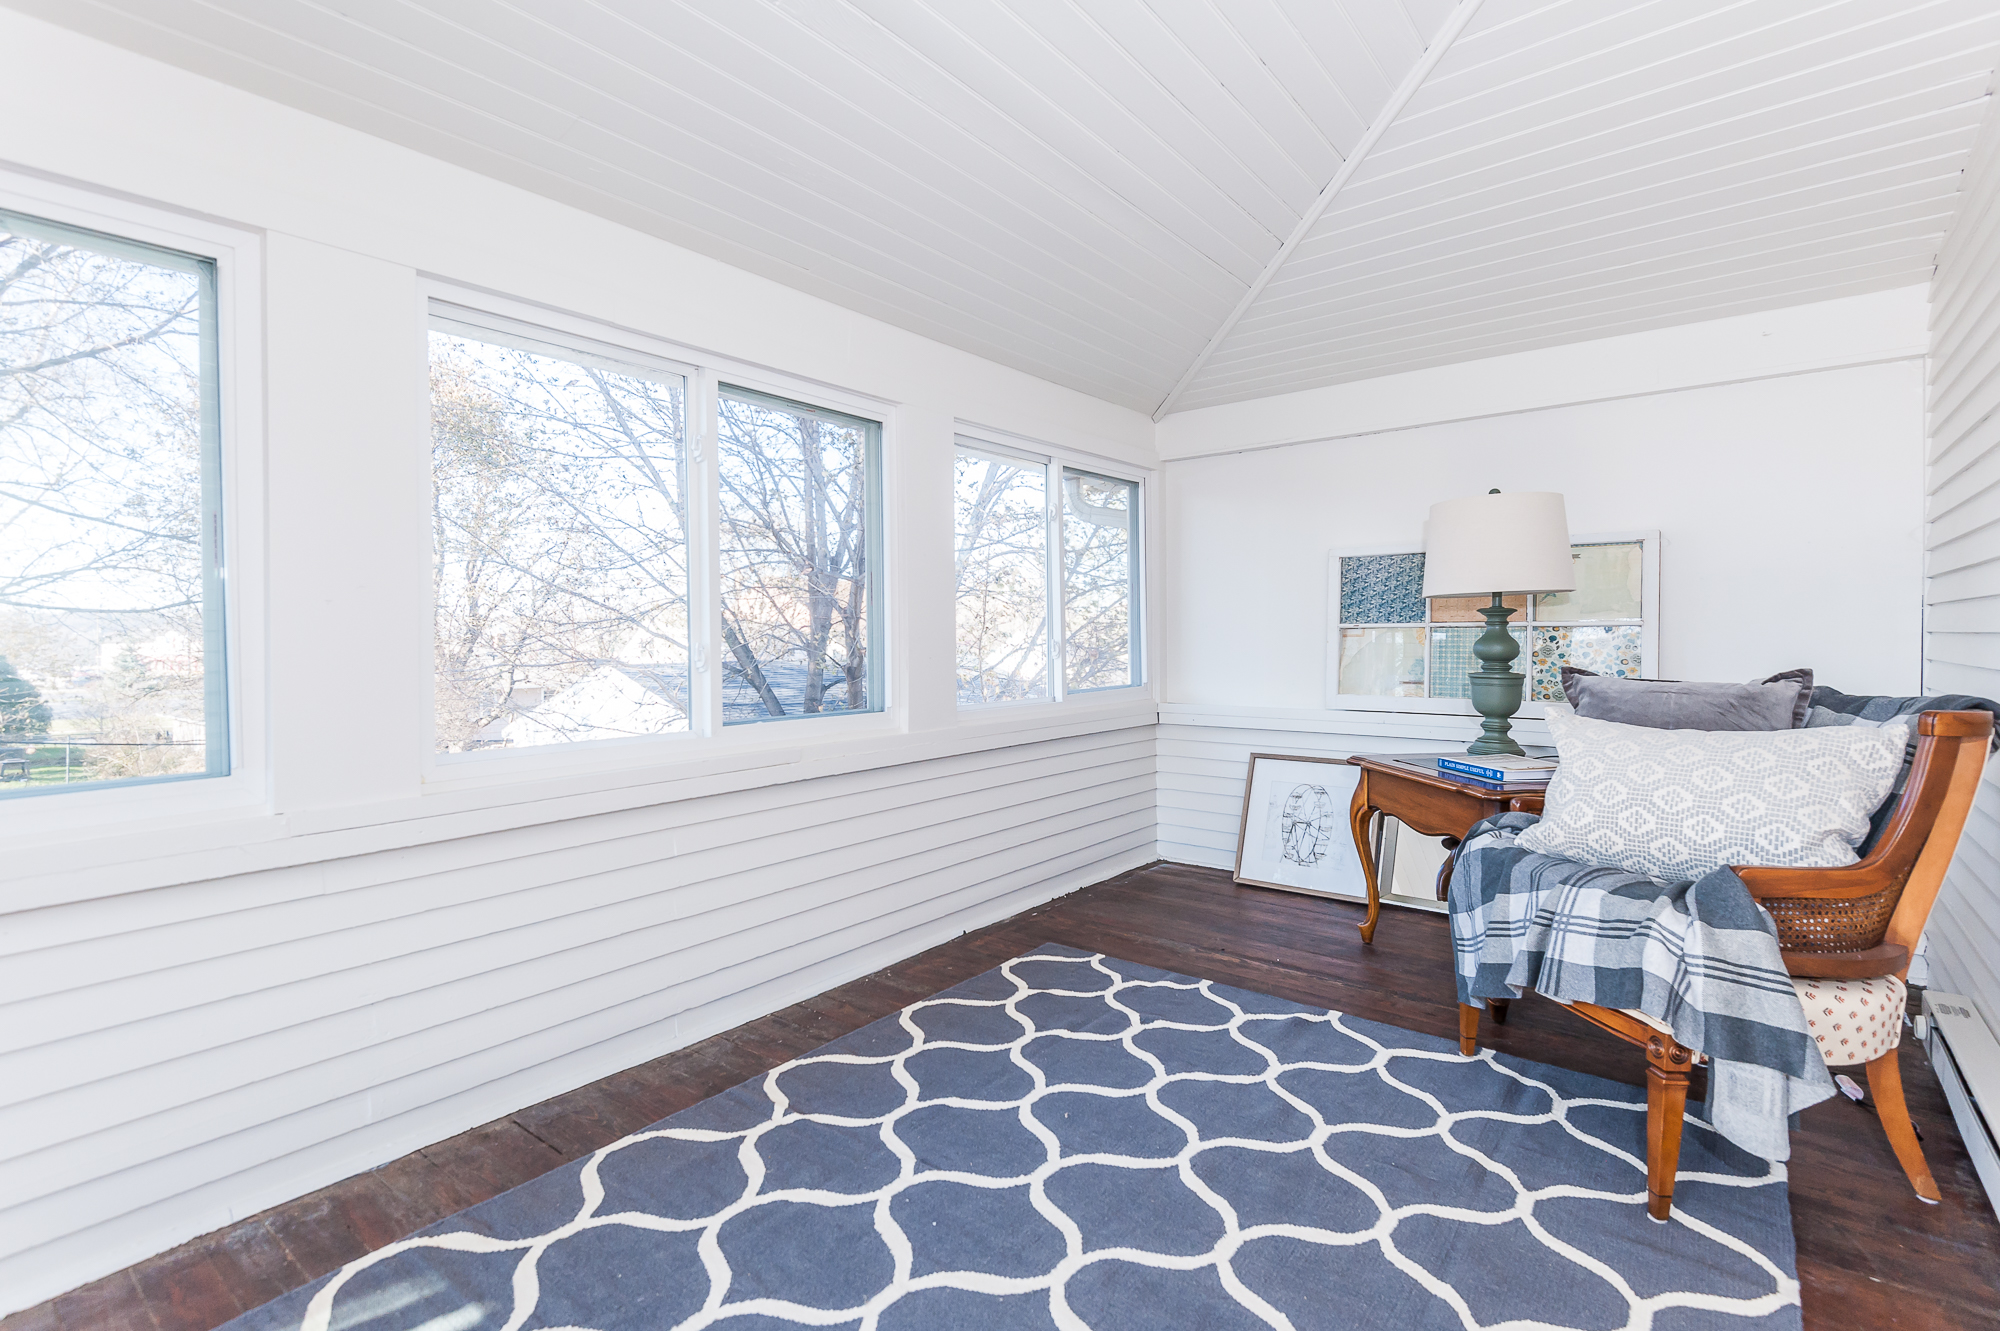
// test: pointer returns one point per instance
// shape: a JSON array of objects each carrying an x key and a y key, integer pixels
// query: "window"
[
  {"x": 1002, "y": 512},
  {"x": 112, "y": 661},
  {"x": 800, "y": 488},
  {"x": 560, "y": 526},
  {"x": 600, "y": 575},
  {"x": 1392, "y": 643},
  {"x": 1100, "y": 576},
  {"x": 1009, "y": 596}
]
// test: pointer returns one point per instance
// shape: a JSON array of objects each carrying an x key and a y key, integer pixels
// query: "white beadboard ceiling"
[{"x": 1180, "y": 203}]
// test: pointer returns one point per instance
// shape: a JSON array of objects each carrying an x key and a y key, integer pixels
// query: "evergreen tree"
[{"x": 22, "y": 711}]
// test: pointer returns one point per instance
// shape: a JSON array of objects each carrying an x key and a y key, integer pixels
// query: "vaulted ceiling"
[{"x": 1180, "y": 203}]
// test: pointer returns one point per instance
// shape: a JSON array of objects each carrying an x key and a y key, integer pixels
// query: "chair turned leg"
[
  {"x": 1498, "y": 1006},
  {"x": 1666, "y": 1105},
  {"x": 1468, "y": 1029},
  {"x": 1885, "y": 1083}
]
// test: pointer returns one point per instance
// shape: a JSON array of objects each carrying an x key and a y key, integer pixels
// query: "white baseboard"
[{"x": 1967, "y": 1060}]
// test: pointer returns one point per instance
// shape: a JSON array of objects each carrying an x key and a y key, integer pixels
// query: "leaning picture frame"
[{"x": 1294, "y": 831}]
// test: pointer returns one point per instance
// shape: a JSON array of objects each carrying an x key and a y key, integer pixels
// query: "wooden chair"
[{"x": 1854, "y": 923}]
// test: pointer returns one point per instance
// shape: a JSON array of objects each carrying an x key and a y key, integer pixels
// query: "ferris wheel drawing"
[{"x": 1306, "y": 825}]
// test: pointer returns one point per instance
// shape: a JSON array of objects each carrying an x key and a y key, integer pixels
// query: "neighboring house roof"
[
  {"x": 787, "y": 678},
  {"x": 614, "y": 701}
]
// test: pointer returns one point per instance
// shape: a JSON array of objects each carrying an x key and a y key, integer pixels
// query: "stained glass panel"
[
  {"x": 1452, "y": 659},
  {"x": 1384, "y": 663},
  {"x": 1381, "y": 589},
  {"x": 1604, "y": 651},
  {"x": 1608, "y": 586},
  {"x": 1465, "y": 609}
]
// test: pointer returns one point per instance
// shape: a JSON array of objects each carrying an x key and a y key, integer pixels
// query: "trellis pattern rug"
[{"x": 1075, "y": 1141}]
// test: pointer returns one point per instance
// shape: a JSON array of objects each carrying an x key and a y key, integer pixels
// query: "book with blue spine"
[{"x": 1507, "y": 769}]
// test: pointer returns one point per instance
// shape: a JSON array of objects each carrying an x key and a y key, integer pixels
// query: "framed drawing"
[{"x": 1294, "y": 833}]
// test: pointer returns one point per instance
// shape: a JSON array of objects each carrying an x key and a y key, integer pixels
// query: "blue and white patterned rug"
[{"x": 1076, "y": 1141}]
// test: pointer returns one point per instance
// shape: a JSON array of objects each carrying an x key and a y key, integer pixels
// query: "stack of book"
[{"x": 1502, "y": 772}]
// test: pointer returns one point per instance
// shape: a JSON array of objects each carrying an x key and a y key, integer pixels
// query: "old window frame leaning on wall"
[
  {"x": 1006, "y": 652},
  {"x": 640, "y": 457},
  {"x": 120, "y": 596},
  {"x": 1442, "y": 631}
]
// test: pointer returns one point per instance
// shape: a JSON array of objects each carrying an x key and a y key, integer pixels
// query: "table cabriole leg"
[{"x": 1360, "y": 814}]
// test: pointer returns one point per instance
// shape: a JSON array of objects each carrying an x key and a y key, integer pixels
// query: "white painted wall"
[
  {"x": 1789, "y": 513},
  {"x": 1854, "y": 330},
  {"x": 1789, "y": 510},
  {"x": 203, "y": 1015},
  {"x": 1962, "y": 647}
]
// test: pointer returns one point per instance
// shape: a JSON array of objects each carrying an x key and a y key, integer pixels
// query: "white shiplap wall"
[
  {"x": 1962, "y": 638},
  {"x": 1096, "y": 190},
  {"x": 1204, "y": 756},
  {"x": 1078, "y": 189},
  {"x": 202, "y": 1050},
  {"x": 1580, "y": 170}
]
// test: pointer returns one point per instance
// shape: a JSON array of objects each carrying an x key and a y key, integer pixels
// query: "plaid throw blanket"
[
  {"x": 1701, "y": 957},
  {"x": 1831, "y": 707},
  {"x": 1876, "y": 708}
]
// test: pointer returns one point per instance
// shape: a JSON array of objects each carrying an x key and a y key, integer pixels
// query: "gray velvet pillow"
[{"x": 1779, "y": 702}]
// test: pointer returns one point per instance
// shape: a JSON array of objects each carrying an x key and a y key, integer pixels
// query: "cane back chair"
[{"x": 1846, "y": 936}]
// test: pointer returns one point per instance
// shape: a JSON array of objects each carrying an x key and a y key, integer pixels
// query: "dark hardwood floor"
[{"x": 1870, "y": 1254}]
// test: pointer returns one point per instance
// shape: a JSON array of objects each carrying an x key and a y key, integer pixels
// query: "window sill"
[
  {"x": 1122, "y": 695},
  {"x": 1368, "y": 725},
  {"x": 163, "y": 851}
]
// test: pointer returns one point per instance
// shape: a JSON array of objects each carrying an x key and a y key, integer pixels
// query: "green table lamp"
[{"x": 1505, "y": 544}]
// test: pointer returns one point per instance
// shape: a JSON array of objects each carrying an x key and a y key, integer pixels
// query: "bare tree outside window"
[
  {"x": 110, "y": 609},
  {"x": 560, "y": 525},
  {"x": 1099, "y": 567},
  {"x": 796, "y": 518},
  {"x": 1001, "y": 509}
]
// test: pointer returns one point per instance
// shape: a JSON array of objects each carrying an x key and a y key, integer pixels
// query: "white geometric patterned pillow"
[{"x": 1674, "y": 804}]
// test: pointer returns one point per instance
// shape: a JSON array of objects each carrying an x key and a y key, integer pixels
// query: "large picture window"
[
  {"x": 798, "y": 524},
  {"x": 1002, "y": 517},
  {"x": 1100, "y": 543},
  {"x": 602, "y": 574},
  {"x": 561, "y": 532},
  {"x": 1029, "y": 627},
  {"x": 112, "y": 662}
]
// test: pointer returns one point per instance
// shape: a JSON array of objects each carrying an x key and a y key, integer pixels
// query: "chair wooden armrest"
[
  {"x": 1863, "y": 879},
  {"x": 1866, "y": 964}
]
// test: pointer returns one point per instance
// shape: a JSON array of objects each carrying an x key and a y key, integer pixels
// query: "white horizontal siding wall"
[
  {"x": 1962, "y": 637},
  {"x": 1205, "y": 759},
  {"x": 233, "y": 1042}
]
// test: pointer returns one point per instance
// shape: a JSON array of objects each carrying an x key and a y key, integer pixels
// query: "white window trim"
[
  {"x": 1649, "y": 632},
  {"x": 707, "y": 737},
  {"x": 974, "y": 438},
  {"x": 238, "y": 258}
]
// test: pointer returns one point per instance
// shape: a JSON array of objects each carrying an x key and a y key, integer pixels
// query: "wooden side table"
[{"x": 1409, "y": 788}]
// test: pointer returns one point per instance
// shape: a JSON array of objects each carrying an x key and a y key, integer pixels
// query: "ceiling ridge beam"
[{"x": 1453, "y": 26}]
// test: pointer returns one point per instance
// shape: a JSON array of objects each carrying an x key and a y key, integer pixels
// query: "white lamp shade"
[{"x": 1498, "y": 543}]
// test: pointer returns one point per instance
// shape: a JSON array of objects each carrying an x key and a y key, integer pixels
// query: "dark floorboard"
[{"x": 1870, "y": 1254}]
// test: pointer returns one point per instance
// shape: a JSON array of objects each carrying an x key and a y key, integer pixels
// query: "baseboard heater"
[{"x": 1967, "y": 1060}]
